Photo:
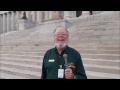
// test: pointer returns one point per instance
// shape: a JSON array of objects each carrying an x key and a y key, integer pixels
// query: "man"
[{"x": 54, "y": 61}]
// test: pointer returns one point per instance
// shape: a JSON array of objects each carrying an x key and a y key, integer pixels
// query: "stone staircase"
[
  {"x": 24, "y": 62},
  {"x": 96, "y": 37},
  {"x": 100, "y": 28}
]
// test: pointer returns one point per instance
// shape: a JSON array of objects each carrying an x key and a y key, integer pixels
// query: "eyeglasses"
[{"x": 62, "y": 34}]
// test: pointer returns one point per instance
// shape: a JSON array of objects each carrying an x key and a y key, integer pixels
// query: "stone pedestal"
[
  {"x": 67, "y": 14},
  {"x": 56, "y": 15},
  {"x": 85, "y": 13},
  {"x": 26, "y": 24}
]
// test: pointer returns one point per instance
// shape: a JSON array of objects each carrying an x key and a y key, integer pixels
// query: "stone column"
[
  {"x": 18, "y": 18},
  {"x": 13, "y": 21},
  {"x": 85, "y": 13},
  {"x": 56, "y": 15},
  {"x": 39, "y": 16},
  {"x": 28, "y": 13},
  {"x": 10, "y": 13},
  {"x": 0, "y": 23},
  {"x": 50, "y": 14},
  {"x": 66, "y": 14},
  {"x": 46, "y": 15},
  {"x": 34, "y": 16},
  {"x": 8, "y": 22},
  {"x": 4, "y": 23}
]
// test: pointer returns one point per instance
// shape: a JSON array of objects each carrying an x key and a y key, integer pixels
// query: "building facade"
[{"x": 9, "y": 20}]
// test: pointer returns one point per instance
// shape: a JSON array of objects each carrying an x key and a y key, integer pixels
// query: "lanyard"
[{"x": 59, "y": 60}]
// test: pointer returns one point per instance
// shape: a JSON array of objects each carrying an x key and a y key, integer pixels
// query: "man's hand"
[{"x": 69, "y": 74}]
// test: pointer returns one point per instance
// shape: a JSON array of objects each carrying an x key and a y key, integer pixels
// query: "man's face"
[{"x": 61, "y": 37}]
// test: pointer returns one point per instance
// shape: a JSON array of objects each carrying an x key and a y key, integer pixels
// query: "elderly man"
[{"x": 62, "y": 61}]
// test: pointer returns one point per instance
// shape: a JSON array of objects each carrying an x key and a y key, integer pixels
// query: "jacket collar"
[{"x": 65, "y": 51}]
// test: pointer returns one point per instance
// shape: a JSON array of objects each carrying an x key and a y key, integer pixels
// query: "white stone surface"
[
  {"x": 10, "y": 76},
  {"x": 18, "y": 64},
  {"x": 100, "y": 74},
  {"x": 26, "y": 24},
  {"x": 21, "y": 71}
]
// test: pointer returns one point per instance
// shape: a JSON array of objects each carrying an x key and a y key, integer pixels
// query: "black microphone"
[{"x": 65, "y": 58}]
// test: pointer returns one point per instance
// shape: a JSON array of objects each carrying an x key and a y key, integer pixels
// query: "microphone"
[
  {"x": 68, "y": 64},
  {"x": 65, "y": 58}
]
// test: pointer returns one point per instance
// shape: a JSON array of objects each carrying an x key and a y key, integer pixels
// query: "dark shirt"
[{"x": 52, "y": 59}]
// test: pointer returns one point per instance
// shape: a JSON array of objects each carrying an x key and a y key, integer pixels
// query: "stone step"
[
  {"x": 102, "y": 38},
  {"x": 108, "y": 23},
  {"x": 90, "y": 75},
  {"x": 22, "y": 61},
  {"x": 76, "y": 38},
  {"x": 93, "y": 35},
  {"x": 101, "y": 62},
  {"x": 108, "y": 48},
  {"x": 22, "y": 56},
  {"x": 88, "y": 67},
  {"x": 26, "y": 47},
  {"x": 21, "y": 75},
  {"x": 9, "y": 76},
  {"x": 19, "y": 72},
  {"x": 97, "y": 24},
  {"x": 93, "y": 56},
  {"x": 102, "y": 68},
  {"x": 117, "y": 52},
  {"x": 113, "y": 25},
  {"x": 97, "y": 77},
  {"x": 98, "y": 32},
  {"x": 36, "y": 68},
  {"x": 95, "y": 19},
  {"x": 39, "y": 53},
  {"x": 46, "y": 46},
  {"x": 101, "y": 56},
  {"x": 84, "y": 51},
  {"x": 85, "y": 60},
  {"x": 93, "y": 29},
  {"x": 94, "y": 41},
  {"x": 38, "y": 61},
  {"x": 101, "y": 75},
  {"x": 35, "y": 49},
  {"x": 51, "y": 45}
]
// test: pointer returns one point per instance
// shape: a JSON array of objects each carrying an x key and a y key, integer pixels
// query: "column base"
[{"x": 26, "y": 24}]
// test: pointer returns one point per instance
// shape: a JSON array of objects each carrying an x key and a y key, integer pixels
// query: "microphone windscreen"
[{"x": 65, "y": 56}]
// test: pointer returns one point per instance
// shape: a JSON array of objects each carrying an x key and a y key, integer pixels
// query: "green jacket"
[{"x": 52, "y": 60}]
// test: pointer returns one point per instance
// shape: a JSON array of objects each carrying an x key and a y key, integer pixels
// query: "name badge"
[
  {"x": 51, "y": 60},
  {"x": 60, "y": 73}
]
